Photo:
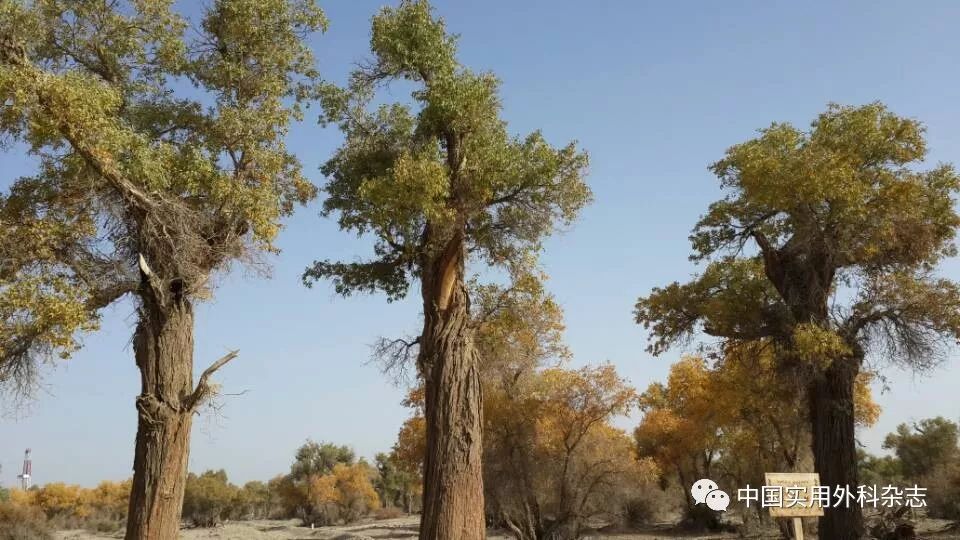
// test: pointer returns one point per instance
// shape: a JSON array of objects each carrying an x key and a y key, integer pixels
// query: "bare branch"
[
  {"x": 395, "y": 356},
  {"x": 203, "y": 389}
]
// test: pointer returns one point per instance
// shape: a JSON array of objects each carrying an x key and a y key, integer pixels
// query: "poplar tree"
[
  {"x": 827, "y": 244},
  {"x": 439, "y": 182},
  {"x": 160, "y": 162}
]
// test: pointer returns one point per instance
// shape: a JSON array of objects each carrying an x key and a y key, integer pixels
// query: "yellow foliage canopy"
[
  {"x": 347, "y": 493},
  {"x": 726, "y": 414}
]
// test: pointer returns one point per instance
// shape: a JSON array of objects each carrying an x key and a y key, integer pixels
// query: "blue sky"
[{"x": 654, "y": 91}]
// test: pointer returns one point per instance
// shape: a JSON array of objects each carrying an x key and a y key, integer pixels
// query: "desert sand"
[
  {"x": 390, "y": 529},
  {"x": 405, "y": 528}
]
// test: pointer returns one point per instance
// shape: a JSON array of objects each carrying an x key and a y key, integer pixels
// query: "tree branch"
[
  {"x": 203, "y": 386},
  {"x": 855, "y": 324},
  {"x": 501, "y": 302},
  {"x": 395, "y": 356}
]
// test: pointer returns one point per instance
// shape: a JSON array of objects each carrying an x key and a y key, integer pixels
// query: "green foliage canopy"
[
  {"x": 926, "y": 445},
  {"x": 416, "y": 176},
  {"x": 135, "y": 163},
  {"x": 208, "y": 497},
  {"x": 839, "y": 208},
  {"x": 318, "y": 459}
]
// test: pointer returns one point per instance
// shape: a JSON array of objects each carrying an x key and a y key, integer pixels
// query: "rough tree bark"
[
  {"x": 834, "y": 444},
  {"x": 163, "y": 348},
  {"x": 163, "y": 345},
  {"x": 804, "y": 281},
  {"x": 453, "y": 504}
]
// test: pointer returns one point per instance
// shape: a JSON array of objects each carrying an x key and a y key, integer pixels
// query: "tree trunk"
[
  {"x": 453, "y": 505},
  {"x": 163, "y": 345},
  {"x": 527, "y": 527},
  {"x": 834, "y": 445}
]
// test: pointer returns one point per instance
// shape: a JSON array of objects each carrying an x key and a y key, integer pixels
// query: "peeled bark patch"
[{"x": 453, "y": 504}]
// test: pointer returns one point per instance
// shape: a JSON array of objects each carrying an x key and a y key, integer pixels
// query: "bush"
[
  {"x": 701, "y": 518},
  {"x": 879, "y": 471},
  {"x": 254, "y": 500},
  {"x": 639, "y": 512},
  {"x": 208, "y": 498},
  {"x": 109, "y": 501},
  {"x": 943, "y": 491},
  {"x": 67, "y": 506},
  {"x": 388, "y": 512},
  {"x": 344, "y": 495},
  {"x": 23, "y": 523},
  {"x": 104, "y": 525}
]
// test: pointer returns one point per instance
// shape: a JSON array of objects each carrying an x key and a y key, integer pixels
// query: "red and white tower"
[{"x": 27, "y": 471}]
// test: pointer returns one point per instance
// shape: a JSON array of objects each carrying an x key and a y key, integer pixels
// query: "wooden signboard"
[{"x": 790, "y": 495}]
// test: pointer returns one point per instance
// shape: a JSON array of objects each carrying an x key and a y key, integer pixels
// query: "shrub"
[
  {"x": 638, "y": 512},
  {"x": 108, "y": 506},
  {"x": 879, "y": 471},
  {"x": 388, "y": 512},
  {"x": 255, "y": 500},
  {"x": 104, "y": 525},
  {"x": 207, "y": 498},
  {"x": 700, "y": 518},
  {"x": 66, "y": 505},
  {"x": 357, "y": 497},
  {"x": 943, "y": 491},
  {"x": 292, "y": 496},
  {"x": 924, "y": 446},
  {"x": 345, "y": 495},
  {"x": 23, "y": 523},
  {"x": 110, "y": 500}
]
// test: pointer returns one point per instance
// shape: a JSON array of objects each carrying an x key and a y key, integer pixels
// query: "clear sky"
[{"x": 655, "y": 91}]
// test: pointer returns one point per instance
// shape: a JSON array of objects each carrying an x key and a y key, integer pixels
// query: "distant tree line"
[{"x": 924, "y": 454}]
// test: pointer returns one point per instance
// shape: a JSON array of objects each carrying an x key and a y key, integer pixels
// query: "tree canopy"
[
  {"x": 840, "y": 211},
  {"x": 415, "y": 175},
  {"x": 733, "y": 418},
  {"x": 152, "y": 146},
  {"x": 825, "y": 246},
  {"x": 924, "y": 445},
  {"x": 314, "y": 459}
]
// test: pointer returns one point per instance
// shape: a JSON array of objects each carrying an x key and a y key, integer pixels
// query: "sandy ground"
[
  {"x": 393, "y": 529},
  {"x": 400, "y": 528},
  {"x": 406, "y": 528}
]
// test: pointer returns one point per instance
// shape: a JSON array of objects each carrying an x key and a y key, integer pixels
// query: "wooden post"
[
  {"x": 804, "y": 485},
  {"x": 798, "y": 528}
]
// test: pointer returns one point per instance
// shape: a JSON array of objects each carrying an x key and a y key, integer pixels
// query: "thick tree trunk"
[
  {"x": 163, "y": 345},
  {"x": 453, "y": 504},
  {"x": 834, "y": 445}
]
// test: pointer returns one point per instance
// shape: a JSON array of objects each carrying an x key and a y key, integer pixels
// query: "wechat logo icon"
[{"x": 705, "y": 491}]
